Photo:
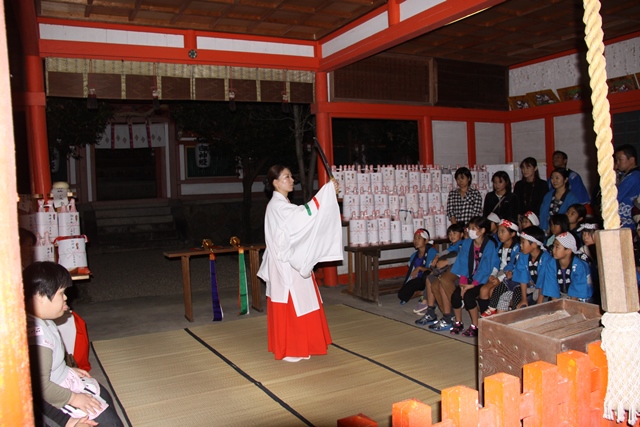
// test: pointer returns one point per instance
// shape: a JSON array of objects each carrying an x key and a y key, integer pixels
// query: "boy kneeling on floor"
[{"x": 63, "y": 395}]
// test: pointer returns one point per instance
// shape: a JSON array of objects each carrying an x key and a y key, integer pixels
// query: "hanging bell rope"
[{"x": 620, "y": 336}]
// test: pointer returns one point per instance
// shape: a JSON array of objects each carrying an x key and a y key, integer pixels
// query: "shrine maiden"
[{"x": 297, "y": 238}]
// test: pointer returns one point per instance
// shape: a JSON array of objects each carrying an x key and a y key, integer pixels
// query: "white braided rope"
[
  {"x": 621, "y": 342},
  {"x": 621, "y": 333},
  {"x": 601, "y": 115}
]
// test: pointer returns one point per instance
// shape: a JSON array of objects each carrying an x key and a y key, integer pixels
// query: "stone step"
[
  {"x": 134, "y": 220},
  {"x": 133, "y": 238},
  {"x": 148, "y": 211},
  {"x": 125, "y": 204},
  {"x": 166, "y": 244},
  {"x": 134, "y": 228}
]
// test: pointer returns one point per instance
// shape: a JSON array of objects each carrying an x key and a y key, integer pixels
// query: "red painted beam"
[
  {"x": 110, "y": 51},
  {"x": 417, "y": 25}
]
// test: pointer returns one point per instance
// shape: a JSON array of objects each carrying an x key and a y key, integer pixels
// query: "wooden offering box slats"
[{"x": 510, "y": 340}]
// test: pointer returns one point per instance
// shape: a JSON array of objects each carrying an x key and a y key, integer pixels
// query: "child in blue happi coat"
[
  {"x": 419, "y": 265},
  {"x": 476, "y": 260},
  {"x": 530, "y": 271},
  {"x": 508, "y": 248},
  {"x": 572, "y": 275},
  {"x": 440, "y": 265}
]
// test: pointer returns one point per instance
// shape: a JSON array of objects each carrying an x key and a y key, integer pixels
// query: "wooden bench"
[
  {"x": 366, "y": 267},
  {"x": 254, "y": 264}
]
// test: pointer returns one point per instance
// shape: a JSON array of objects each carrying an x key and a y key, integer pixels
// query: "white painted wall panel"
[
  {"x": 100, "y": 35},
  {"x": 623, "y": 58},
  {"x": 450, "y": 143},
  {"x": 528, "y": 140},
  {"x": 410, "y": 8},
  {"x": 574, "y": 135},
  {"x": 356, "y": 34},
  {"x": 247, "y": 46},
  {"x": 489, "y": 143}
]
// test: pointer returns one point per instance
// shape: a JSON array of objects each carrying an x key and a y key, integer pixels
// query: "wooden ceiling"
[{"x": 510, "y": 33}]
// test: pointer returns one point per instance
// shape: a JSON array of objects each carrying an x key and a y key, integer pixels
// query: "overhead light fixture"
[
  {"x": 285, "y": 97},
  {"x": 285, "y": 103},
  {"x": 92, "y": 100},
  {"x": 232, "y": 99},
  {"x": 155, "y": 93}
]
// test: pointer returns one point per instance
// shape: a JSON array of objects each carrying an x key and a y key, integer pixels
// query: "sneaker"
[
  {"x": 471, "y": 332},
  {"x": 427, "y": 319},
  {"x": 421, "y": 307},
  {"x": 489, "y": 312},
  {"x": 441, "y": 325},
  {"x": 402, "y": 302},
  {"x": 457, "y": 327}
]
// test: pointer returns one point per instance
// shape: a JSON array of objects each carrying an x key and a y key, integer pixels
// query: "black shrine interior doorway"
[{"x": 126, "y": 174}]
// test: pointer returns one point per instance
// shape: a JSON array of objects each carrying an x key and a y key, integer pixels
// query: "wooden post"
[
  {"x": 15, "y": 384},
  {"x": 616, "y": 269}
]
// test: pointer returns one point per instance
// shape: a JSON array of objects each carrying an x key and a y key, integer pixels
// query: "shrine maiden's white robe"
[{"x": 297, "y": 238}]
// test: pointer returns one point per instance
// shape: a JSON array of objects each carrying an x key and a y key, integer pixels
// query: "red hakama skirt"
[{"x": 293, "y": 336}]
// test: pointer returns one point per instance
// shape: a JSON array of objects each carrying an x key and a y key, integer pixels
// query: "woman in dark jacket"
[
  {"x": 501, "y": 201},
  {"x": 531, "y": 189}
]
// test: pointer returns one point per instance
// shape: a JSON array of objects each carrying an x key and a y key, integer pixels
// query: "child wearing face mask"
[{"x": 476, "y": 260}]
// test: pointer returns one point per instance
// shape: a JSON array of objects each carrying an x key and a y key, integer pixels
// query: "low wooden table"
[
  {"x": 185, "y": 256},
  {"x": 366, "y": 266}
]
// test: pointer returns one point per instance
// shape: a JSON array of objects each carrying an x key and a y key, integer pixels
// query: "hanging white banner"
[{"x": 118, "y": 136}]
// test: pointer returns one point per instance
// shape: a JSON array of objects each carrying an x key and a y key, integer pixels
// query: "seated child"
[
  {"x": 576, "y": 213},
  {"x": 494, "y": 220},
  {"x": 587, "y": 233},
  {"x": 529, "y": 219},
  {"x": 529, "y": 271},
  {"x": 61, "y": 393},
  {"x": 441, "y": 264},
  {"x": 475, "y": 262},
  {"x": 419, "y": 265},
  {"x": 573, "y": 275},
  {"x": 558, "y": 223},
  {"x": 508, "y": 248}
]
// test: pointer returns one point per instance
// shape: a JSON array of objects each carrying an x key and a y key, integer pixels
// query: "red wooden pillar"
[
  {"x": 508, "y": 143},
  {"x": 15, "y": 383},
  {"x": 393, "y": 12},
  {"x": 425, "y": 136},
  {"x": 550, "y": 143},
  {"x": 471, "y": 142},
  {"x": 34, "y": 99},
  {"x": 323, "y": 133}
]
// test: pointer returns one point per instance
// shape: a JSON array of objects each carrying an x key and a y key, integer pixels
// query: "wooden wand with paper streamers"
[
  {"x": 243, "y": 297},
  {"x": 207, "y": 244}
]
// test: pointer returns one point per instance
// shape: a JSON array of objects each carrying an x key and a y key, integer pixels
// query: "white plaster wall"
[
  {"x": 489, "y": 143},
  {"x": 528, "y": 140},
  {"x": 622, "y": 58},
  {"x": 450, "y": 143},
  {"x": 574, "y": 135}
]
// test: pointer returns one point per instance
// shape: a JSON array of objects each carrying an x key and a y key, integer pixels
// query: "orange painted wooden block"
[
  {"x": 460, "y": 405},
  {"x": 359, "y": 420},
  {"x": 577, "y": 368},
  {"x": 411, "y": 413},
  {"x": 502, "y": 391},
  {"x": 542, "y": 379}
]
